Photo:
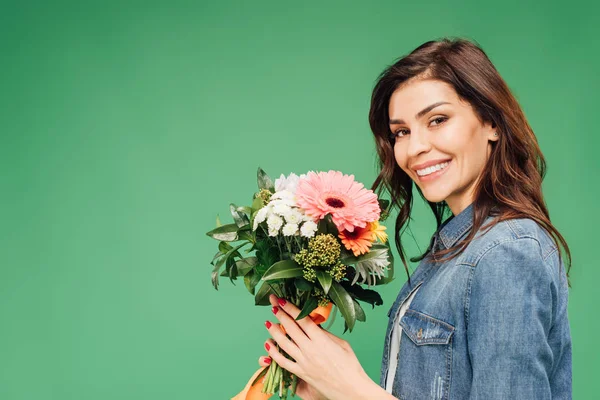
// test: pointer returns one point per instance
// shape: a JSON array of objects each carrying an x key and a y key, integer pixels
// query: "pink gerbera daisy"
[{"x": 348, "y": 202}]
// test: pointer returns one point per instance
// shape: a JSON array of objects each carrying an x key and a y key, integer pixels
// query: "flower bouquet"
[{"x": 314, "y": 236}]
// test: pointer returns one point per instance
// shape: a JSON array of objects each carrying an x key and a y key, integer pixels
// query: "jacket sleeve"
[{"x": 509, "y": 316}]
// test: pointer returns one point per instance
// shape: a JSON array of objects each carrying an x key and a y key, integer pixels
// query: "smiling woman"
[{"x": 485, "y": 313}]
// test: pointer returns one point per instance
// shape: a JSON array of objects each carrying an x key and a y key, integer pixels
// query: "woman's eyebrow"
[{"x": 420, "y": 113}]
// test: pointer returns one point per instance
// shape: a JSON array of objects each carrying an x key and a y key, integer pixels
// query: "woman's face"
[{"x": 439, "y": 141}]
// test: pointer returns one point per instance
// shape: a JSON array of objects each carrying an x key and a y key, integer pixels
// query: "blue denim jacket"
[{"x": 490, "y": 324}]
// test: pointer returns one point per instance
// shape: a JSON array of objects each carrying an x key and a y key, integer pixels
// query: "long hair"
[{"x": 510, "y": 185}]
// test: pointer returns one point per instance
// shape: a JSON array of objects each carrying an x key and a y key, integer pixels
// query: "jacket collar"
[{"x": 455, "y": 227}]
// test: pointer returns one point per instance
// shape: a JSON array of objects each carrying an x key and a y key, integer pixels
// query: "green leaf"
[
  {"x": 262, "y": 296},
  {"x": 360, "y": 313},
  {"x": 311, "y": 303},
  {"x": 227, "y": 233},
  {"x": 344, "y": 302},
  {"x": 362, "y": 294},
  {"x": 245, "y": 265},
  {"x": 383, "y": 204},
  {"x": 264, "y": 181},
  {"x": 219, "y": 221},
  {"x": 245, "y": 209},
  {"x": 282, "y": 270},
  {"x": 257, "y": 204},
  {"x": 303, "y": 284},
  {"x": 267, "y": 255},
  {"x": 240, "y": 218},
  {"x": 245, "y": 235},
  {"x": 231, "y": 268},
  {"x": 251, "y": 279},
  {"x": 226, "y": 257},
  {"x": 324, "y": 279}
]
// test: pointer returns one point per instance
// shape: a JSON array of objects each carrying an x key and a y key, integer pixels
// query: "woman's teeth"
[{"x": 432, "y": 169}]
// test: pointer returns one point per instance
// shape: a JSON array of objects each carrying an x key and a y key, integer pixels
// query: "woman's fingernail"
[
  {"x": 267, "y": 346},
  {"x": 275, "y": 309},
  {"x": 281, "y": 302},
  {"x": 268, "y": 324},
  {"x": 267, "y": 360}
]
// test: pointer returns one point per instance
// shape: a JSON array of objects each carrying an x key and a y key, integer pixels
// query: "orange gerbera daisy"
[
  {"x": 348, "y": 202},
  {"x": 359, "y": 240}
]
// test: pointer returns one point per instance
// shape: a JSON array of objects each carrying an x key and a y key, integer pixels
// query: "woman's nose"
[{"x": 418, "y": 142}]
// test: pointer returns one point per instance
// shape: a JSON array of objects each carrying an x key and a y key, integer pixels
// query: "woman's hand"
[
  {"x": 326, "y": 363},
  {"x": 303, "y": 389}
]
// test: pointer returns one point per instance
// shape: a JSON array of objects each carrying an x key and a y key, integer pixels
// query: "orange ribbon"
[{"x": 318, "y": 315}]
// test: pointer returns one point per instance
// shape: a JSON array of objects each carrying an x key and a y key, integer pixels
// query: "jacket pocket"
[
  {"x": 423, "y": 329},
  {"x": 425, "y": 361}
]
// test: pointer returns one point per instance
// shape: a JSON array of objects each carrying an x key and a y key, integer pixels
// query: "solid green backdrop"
[{"x": 127, "y": 127}]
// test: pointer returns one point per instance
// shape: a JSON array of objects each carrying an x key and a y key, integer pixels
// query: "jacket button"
[{"x": 420, "y": 333}]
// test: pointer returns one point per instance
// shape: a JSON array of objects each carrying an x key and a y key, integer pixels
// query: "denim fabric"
[{"x": 490, "y": 324}]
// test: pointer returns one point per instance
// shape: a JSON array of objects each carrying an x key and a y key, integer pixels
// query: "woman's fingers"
[
  {"x": 300, "y": 330},
  {"x": 264, "y": 361}
]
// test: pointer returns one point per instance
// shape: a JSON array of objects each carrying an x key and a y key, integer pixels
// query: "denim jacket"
[{"x": 490, "y": 324}]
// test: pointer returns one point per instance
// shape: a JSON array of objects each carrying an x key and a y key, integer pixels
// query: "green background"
[{"x": 127, "y": 127}]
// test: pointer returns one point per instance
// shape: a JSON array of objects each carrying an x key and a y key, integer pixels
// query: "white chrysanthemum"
[
  {"x": 273, "y": 232},
  {"x": 372, "y": 267},
  {"x": 288, "y": 183},
  {"x": 290, "y": 229},
  {"x": 274, "y": 222},
  {"x": 294, "y": 216},
  {"x": 283, "y": 197},
  {"x": 260, "y": 216},
  {"x": 282, "y": 209},
  {"x": 308, "y": 229}
]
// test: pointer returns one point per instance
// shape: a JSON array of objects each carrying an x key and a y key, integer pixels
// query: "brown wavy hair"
[{"x": 510, "y": 185}]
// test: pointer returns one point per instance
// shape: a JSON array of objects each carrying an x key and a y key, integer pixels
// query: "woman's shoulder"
[{"x": 509, "y": 238}]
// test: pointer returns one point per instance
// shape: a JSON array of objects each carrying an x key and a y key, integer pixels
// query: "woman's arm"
[{"x": 509, "y": 316}]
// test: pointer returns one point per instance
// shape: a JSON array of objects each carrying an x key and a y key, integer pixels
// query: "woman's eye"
[
  {"x": 439, "y": 120},
  {"x": 401, "y": 132}
]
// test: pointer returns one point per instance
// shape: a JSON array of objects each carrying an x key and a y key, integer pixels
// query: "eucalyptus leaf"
[
  {"x": 311, "y": 303},
  {"x": 226, "y": 233},
  {"x": 240, "y": 218},
  {"x": 282, "y": 270},
  {"x": 324, "y": 279},
  {"x": 344, "y": 302},
  {"x": 264, "y": 181}
]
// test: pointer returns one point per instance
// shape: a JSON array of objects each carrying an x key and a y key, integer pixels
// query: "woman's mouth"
[{"x": 430, "y": 173}]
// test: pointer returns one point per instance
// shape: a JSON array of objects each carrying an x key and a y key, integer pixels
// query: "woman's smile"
[{"x": 430, "y": 173}]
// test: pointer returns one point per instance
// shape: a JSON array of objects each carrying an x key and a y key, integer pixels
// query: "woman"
[{"x": 484, "y": 316}]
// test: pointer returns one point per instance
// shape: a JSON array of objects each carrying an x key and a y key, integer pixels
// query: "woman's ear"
[{"x": 492, "y": 131}]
